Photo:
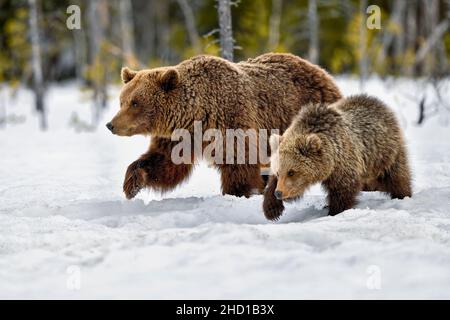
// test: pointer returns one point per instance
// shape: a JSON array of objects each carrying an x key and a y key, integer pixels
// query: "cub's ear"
[
  {"x": 274, "y": 142},
  {"x": 127, "y": 74},
  {"x": 169, "y": 79},
  {"x": 309, "y": 144}
]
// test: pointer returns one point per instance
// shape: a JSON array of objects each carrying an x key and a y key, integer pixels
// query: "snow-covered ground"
[{"x": 66, "y": 230}]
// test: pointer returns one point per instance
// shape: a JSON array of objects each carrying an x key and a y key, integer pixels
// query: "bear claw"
[
  {"x": 273, "y": 209},
  {"x": 134, "y": 180}
]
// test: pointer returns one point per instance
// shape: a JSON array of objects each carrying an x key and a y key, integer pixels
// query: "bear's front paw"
[
  {"x": 273, "y": 208},
  {"x": 134, "y": 179}
]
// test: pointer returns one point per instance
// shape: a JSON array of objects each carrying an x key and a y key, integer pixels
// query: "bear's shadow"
[
  {"x": 304, "y": 215},
  {"x": 216, "y": 209}
]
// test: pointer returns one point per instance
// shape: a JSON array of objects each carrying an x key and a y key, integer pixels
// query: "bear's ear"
[
  {"x": 169, "y": 79},
  {"x": 274, "y": 142},
  {"x": 310, "y": 144},
  {"x": 127, "y": 74}
]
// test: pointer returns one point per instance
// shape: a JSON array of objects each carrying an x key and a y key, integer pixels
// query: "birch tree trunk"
[
  {"x": 347, "y": 9},
  {"x": 95, "y": 39},
  {"x": 431, "y": 41},
  {"x": 38, "y": 79},
  {"x": 411, "y": 34},
  {"x": 411, "y": 23},
  {"x": 2, "y": 109},
  {"x": 363, "y": 64},
  {"x": 162, "y": 30},
  {"x": 80, "y": 54},
  {"x": 388, "y": 37},
  {"x": 97, "y": 17},
  {"x": 437, "y": 52},
  {"x": 95, "y": 32},
  {"x": 189, "y": 18},
  {"x": 226, "y": 30},
  {"x": 127, "y": 33},
  {"x": 434, "y": 31},
  {"x": 104, "y": 21},
  {"x": 274, "y": 25},
  {"x": 313, "y": 21},
  {"x": 144, "y": 19},
  {"x": 442, "y": 55},
  {"x": 399, "y": 44}
]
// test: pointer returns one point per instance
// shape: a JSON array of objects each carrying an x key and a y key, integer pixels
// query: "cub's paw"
[
  {"x": 134, "y": 179},
  {"x": 273, "y": 208}
]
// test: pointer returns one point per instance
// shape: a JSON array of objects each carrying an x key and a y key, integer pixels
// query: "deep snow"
[{"x": 66, "y": 230}]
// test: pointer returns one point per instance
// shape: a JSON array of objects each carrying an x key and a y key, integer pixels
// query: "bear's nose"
[
  {"x": 110, "y": 126},
  {"x": 278, "y": 194}
]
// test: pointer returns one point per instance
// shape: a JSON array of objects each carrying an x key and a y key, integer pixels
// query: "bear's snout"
[{"x": 110, "y": 126}]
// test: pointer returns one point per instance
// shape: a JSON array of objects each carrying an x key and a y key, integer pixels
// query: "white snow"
[{"x": 66, "y": 230}]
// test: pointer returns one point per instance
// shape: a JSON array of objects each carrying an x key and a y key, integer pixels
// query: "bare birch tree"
[
  {"x": 431, "y": 41},
  {"x": 313, "y": 22},
  {"x": 127, "y": 33},
  {"x": 437, "y": 68},
  {"x": 38, "y": 79},
  {"x": 347, "y": 9},
  {"x": 388, "y": 36},
  {"x": 189, "y": 18},
  {"x": 144, "y": 19},
  {"x": 363, "y": 63},
  {"x": 162, "y": 30},
  {"x": 442, "y": 60},
  {"x": 226, "y": 30},
  {"x": 80, "y": 53},
  {"x": 411, "y": 34},
  {"x": 400, "y": 43},
  {"x": 274, "y": 25},
  {"x": 97, "y": 17},
  {"x": 2, "y": 109}
]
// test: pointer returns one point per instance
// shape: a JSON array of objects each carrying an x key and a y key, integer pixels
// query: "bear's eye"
[
  {"x": 134, "y": 104},
  {"x": 290, "y": 173}
]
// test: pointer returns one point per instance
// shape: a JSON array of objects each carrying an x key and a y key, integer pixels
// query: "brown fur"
[
  {"x": 273, "y": 207},
  {"x": 351, "y": 145},
  {"x": 264, "y": 92}
]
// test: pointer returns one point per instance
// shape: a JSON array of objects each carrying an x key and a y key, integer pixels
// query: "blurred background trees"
[{"x": 413, "y": 40}]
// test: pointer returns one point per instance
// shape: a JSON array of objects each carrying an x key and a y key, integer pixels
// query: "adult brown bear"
[{"x": 261, "y": 93}]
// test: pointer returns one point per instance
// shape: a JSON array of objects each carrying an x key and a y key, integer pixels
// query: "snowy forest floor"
[{"x": 66, "y": 230}]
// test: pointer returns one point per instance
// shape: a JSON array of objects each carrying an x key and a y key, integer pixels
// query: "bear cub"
[{"x": 352, "y": 145}]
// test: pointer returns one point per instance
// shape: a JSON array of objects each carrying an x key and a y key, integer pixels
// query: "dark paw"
[
  {"x": 273, "y": 208},
  {"x": 134, "y": 179}
]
